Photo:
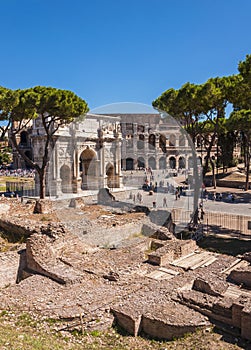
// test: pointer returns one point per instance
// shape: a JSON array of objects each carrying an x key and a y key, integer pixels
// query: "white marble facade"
[{"x": 86, "y": 155}]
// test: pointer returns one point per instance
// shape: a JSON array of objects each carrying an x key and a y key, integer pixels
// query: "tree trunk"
[
  {"x": 213, "y": 174},
  {"x": 208, "y": 149},
  {"x": 41, "y": 175},
  {"x": 247, "y": 168},
  {"x": 197, "y": 184}
]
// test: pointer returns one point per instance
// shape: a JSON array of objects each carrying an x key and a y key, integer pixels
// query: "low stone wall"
[
  {"x": 241, "y": 276},
  {"x": 162, "y": 330},
  {"x": 236, "y": 313},
  {"x": 209, "y": 286},
  {"x": 184, "y": 248},
  {"x": 237, "y": 308},
  {"x": 232, "y": 184},
  {"x": 246, "y": 322},
  {"x": 223, "y": 307},
  {"x": 171, "y": 251},
  {"x": 161, "y": 256},
  {"x": 128, "y": 320}
]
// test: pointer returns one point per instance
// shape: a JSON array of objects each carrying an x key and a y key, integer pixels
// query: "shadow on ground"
[
  {"x": 230, "y": 335},
  {"x": 225, "y": 245}
]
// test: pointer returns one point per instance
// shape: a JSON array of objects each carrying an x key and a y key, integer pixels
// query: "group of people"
[
  {"x": 137, "y": 197},
  {"x": 217, "y": 196},
  {"x": 17, "y": 172}
]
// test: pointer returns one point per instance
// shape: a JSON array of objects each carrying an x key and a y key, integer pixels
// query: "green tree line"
[
  {"x": 202, "y": 109},
  {"x": 54, "y": 107}
]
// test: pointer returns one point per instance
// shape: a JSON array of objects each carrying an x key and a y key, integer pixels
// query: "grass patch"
[
  {"x": 24, "y": 332},
  {"x": 45, "y": 218},
  {"x": 8, "y": 238},
  {"x": 28, "y": 182}
]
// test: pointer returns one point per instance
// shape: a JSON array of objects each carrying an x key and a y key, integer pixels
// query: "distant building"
[
  {"x": 150, "y": 141},
  {"x": 24, "y": 141}
]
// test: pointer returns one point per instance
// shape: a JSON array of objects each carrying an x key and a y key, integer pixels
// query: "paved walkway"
[{"x": 240, "y": 206}]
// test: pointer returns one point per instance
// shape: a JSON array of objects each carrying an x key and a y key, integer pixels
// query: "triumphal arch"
[{"x": 85, "y": 155}]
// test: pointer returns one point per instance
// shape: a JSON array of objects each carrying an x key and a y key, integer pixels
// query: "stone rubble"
[{"x": 65, "y": 270}]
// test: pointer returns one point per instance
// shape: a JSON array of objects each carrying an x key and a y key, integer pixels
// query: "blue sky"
[{"x": 110, "y": 51}]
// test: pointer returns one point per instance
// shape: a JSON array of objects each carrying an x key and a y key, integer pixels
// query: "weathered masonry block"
[
  {"x": 246, "y": 322},
  {"x": 128, "y": 320},
  {"x": 170, "y": 251},
  {"x": 241, "y": 276}
]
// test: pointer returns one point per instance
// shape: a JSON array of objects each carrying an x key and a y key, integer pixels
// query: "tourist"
[
  {"x": 202, "y": 215},
  {"x": 164, "y": 202}
]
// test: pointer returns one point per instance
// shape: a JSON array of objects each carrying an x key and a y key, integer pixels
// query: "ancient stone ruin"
[{"x": 148, "y": 283}]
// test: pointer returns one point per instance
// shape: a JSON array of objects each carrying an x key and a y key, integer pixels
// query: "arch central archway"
[{"x": 88, "y": 166}]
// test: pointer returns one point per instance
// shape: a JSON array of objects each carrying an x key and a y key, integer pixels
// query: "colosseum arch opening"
[
  {"x": 141, "y": 163},
  {"x": 172, "y": 141},
  {"x": 172, "y": 163},
  {"x": 129, "y": 164},
  {"x": 182, "y": 141},
  {"x": 162, "y": 163},
  {"x": 162, "y": 143},
  {"x": 152, "y": 141},
  {"x": 152, "y": 163},
  {"x": 140, "y": 142},
  {"x": 182, "y": 163}
]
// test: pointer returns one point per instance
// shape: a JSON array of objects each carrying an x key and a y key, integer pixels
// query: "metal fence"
[
  {"x": 218, "y": 221},
  {"x": 23, "y": 188}
]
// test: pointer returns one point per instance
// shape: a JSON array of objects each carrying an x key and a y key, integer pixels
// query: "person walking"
[{"x": 164, "y": 202}]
